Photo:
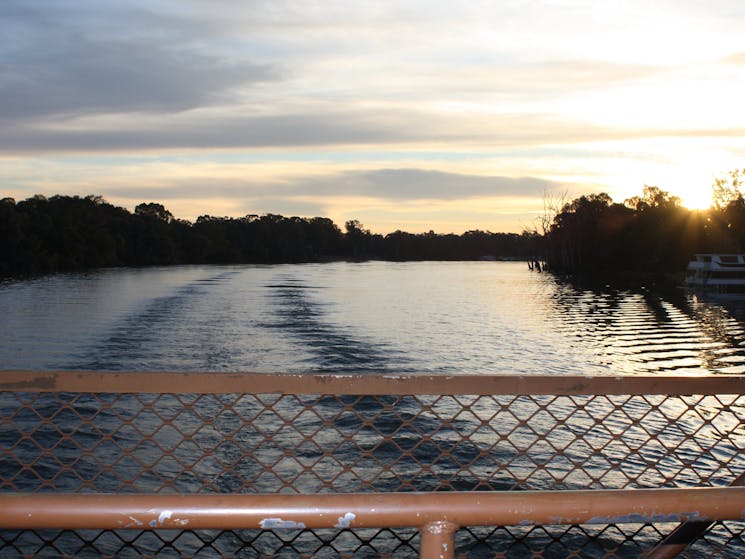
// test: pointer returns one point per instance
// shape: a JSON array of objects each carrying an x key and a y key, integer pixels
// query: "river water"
[{"x": 424, "y": 317}]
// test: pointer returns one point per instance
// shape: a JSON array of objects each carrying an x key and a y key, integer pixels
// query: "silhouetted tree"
[
  {"x": 726, "y": 189},
  {"x": 651, "y": 233},
  {"x": 154, "y": 210},
  {"x": 41, "y": 235}
]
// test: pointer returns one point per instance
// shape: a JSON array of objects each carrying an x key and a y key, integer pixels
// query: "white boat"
[{"x": 717, "y": 272}]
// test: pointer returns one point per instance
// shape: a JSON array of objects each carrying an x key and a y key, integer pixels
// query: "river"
[{"x": 421, "y": 317}]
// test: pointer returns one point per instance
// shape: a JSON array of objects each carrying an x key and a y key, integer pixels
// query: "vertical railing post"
[{"x": 437, "y": 540}]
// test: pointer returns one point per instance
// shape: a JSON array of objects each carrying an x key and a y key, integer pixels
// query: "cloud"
[
  {"x": 63, "y": 64},
  {"x": 516, "y": 81},
  {"x": 90, "y": 76},
  {"x": 419, "y": 184},
  {"x": 737, "y": 59},
  {"x": 121, "y": 78},
  {"x": 396, "y": 185},
  {"x": 320, "y": 125}
]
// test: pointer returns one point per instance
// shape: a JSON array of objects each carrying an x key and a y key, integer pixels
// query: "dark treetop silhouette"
[
  {"x": 590, "y": 236},
  {"x": 64, "y": 233},
  {"x": 648, "y": 234}
]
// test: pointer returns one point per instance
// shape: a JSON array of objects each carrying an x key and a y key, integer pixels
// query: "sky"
[{"x": 412, "y": 115}]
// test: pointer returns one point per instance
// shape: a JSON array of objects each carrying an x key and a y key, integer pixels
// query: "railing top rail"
[
  {"x": 361, "y": 384},
  {"x": 365, "y": 510}
]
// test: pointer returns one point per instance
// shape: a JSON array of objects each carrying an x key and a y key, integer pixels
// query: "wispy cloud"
[
  {"x": 60, "y": 65},
  {"x": 418, "y": 184},
  {"x": 384, "y": 184},
  {"x": 327, "y": 126}
]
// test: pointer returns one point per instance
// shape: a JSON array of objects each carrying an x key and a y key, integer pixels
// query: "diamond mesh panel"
[{"x": 299, "y": 443}]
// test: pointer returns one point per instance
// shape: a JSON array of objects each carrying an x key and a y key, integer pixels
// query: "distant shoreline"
[{"x": 68, "y": 233}]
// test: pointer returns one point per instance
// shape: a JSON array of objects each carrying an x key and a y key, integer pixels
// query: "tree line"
[
  {"x": 67, "y": 233},
  {"x": 648, "y": 234}
]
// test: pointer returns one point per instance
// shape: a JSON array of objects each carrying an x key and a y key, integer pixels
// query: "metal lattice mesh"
[{"x": 298, "y": 443}]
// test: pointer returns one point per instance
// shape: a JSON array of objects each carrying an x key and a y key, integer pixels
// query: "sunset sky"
[{"x": 412, "y": 115}]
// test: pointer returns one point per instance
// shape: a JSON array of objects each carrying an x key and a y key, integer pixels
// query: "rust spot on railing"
[{"x": 43, "y": 383}]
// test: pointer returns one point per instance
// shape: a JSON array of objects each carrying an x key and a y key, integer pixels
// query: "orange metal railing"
[{"x": 198, "y": 464}]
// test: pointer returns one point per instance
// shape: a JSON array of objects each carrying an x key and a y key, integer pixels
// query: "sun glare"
[
  {"x": 695, "y": 198},
  {"x": 693, "y": 183}
]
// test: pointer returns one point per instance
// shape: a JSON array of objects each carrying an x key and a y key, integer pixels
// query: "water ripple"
[
  {"x": 331, "y": 345},
  {"x": 426, "y": 317}
]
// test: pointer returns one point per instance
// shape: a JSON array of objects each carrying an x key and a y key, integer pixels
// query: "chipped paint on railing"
[
  {"x": 345, "y": 521},
  {"x": 280, "y": 524}
]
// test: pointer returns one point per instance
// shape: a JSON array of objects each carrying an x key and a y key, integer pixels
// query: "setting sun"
[{"x": 696, "y": 198}]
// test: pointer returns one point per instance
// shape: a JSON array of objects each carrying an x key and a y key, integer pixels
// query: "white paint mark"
[
  {"x": 345, "y": 521},
  {"x": 165, "y": 515},
  {"x": 274, "y": 523}
]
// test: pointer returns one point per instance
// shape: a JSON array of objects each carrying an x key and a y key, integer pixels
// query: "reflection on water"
[
  {"x": 472, "y": 317},
  {"x": 644, "y": 331}
]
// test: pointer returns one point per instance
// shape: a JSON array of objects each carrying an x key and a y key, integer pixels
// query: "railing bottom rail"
[{"x": 437, "y": 515}]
